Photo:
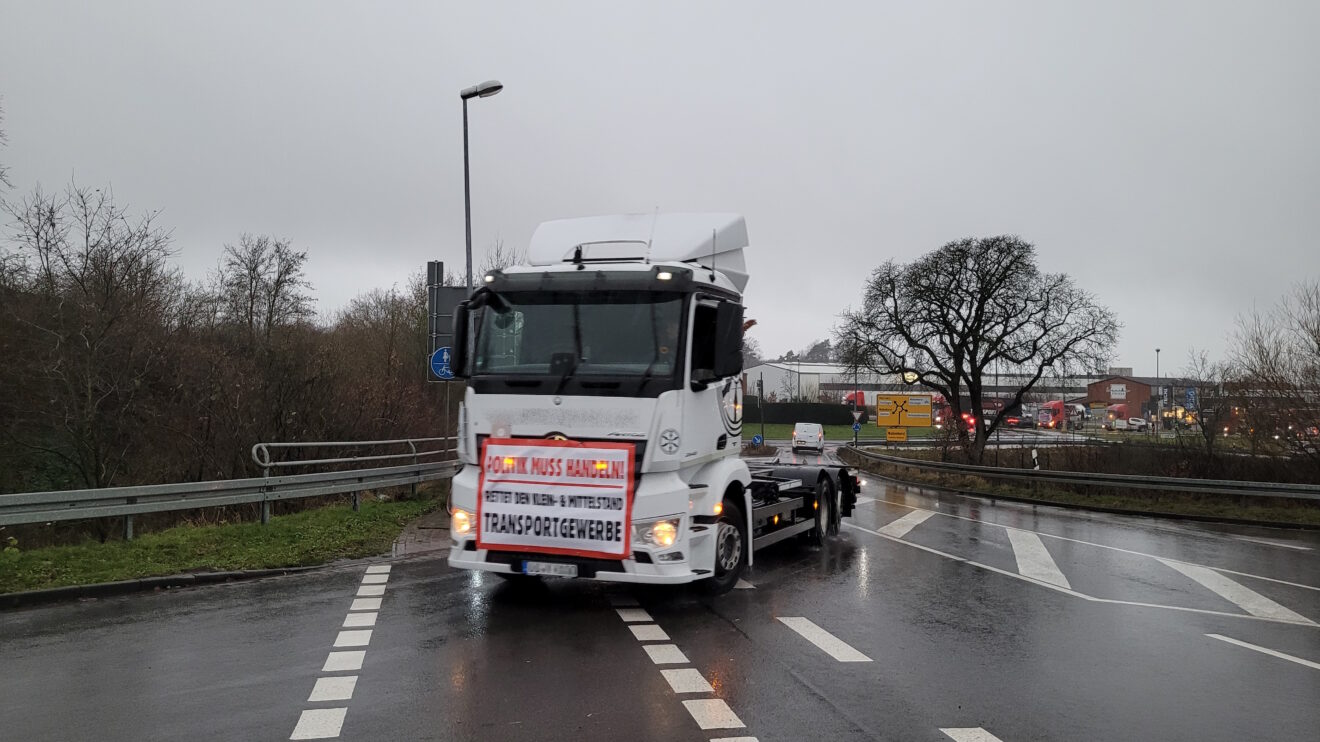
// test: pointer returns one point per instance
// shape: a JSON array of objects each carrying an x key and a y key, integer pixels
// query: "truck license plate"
[{"x": 552, "y": 569}]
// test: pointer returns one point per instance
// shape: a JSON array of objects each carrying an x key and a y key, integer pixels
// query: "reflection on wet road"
[{"x": 931, "y": 617}]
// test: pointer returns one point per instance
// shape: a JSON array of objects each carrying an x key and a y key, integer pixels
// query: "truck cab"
[{"x": 602, "y": 420}]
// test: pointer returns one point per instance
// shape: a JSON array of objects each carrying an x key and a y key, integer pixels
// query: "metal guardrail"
[
  {"x": 43, "y": 507},
  {"x": 1126, "y": 481},
  {"x": 261, "y": 452},
  {"x": 990, "y": 444}
]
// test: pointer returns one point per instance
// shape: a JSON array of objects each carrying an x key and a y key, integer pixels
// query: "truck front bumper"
[
  {"x": 656, "y": 496},
  {"x": 462, "y": 556}
]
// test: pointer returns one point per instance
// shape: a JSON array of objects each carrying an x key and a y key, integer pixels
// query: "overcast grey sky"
[{"x": 1165, "y": 154}]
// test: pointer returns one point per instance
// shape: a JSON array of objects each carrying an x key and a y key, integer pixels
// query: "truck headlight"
[
  {"x": 460, "y": 522},
  {"x": 660, "y": 533}
]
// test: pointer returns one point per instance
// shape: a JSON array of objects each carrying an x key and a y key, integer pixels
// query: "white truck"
[{"x": 601, "y": 426}]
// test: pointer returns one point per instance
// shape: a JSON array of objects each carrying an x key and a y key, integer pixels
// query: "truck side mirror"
[
  {"x": 459, "y": 354},
  {"x": 728, "y": 340}
]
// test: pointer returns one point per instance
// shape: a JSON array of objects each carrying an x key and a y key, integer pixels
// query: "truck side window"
[{"x": 703, "y": 343}]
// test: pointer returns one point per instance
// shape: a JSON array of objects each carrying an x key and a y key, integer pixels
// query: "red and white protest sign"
[{"x": 556, "y": 497}]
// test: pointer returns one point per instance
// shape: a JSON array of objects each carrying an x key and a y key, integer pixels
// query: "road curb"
[
  {"x": 142, "y": 584},
  {"x": 1090, "y": 508}
]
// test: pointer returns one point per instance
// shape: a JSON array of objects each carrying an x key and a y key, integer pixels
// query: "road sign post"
[{"x": 440, "y": 303}]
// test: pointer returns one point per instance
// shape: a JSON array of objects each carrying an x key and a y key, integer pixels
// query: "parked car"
[{"x": 809, "y": 435}]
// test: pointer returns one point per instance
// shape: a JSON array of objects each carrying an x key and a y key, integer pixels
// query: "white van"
[{"x": 809, "y": 435}]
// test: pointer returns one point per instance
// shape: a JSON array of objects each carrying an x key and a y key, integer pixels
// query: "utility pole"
[
  {"x": 760, "y": 404},
  {"x": 1159, "y": 399}
]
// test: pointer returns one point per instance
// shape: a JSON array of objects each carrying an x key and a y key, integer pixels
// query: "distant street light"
[
  {"x": 1159, "y": 401},
  {"x": 481, "y": 90}
]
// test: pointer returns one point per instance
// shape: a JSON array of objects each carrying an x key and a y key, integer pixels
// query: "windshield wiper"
[
  {"x": 655, "y": 355},
  {"x": 563, "y": 380},
  {"x": 577, "y": 351}
]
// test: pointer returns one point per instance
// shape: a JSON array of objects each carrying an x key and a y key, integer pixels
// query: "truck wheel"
[
  {"x": 826, "y": 524},
  {"x": 730, "y": 550}
]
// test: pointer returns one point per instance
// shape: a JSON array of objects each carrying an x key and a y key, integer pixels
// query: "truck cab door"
[{"x": 713, "y": 410}]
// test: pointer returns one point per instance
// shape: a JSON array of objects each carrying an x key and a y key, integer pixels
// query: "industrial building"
[
  {"x": 1139, "y": 393},
  {"x": 786, "y": 381}
]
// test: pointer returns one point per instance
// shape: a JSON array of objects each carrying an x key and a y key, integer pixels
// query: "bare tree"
[
  {"x": 4, "y": 141},
  {"x": 1211, "y": 382},
  {"x": 88, "y": 318},
  {"x": 262, "y": 285},
  {"x": 500, "y": 256},
  {"x": 751, "y": 351},
  {"x": 1276, "y": 354},
  {"x": 953, "y": 313}
]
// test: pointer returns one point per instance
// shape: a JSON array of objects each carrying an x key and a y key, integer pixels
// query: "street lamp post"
[
  {"x": 1159, "y": 391},
  {"x": 481, "y": 90}
]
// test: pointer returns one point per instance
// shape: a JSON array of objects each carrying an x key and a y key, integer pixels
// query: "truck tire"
[
  {"x": 730, "y": 550},
  {"x": 826, "y": 524}
]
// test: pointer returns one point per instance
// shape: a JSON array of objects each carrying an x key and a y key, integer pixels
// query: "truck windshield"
[{"x": 581, "y": 334}]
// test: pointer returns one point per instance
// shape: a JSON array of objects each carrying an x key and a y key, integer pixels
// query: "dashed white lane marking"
[
  {"x": 665, "y": 654},
  {"x": 358, "y": 638},
  {"x": 827, "y": 642},
  {"x": 734, "y": 739},
  {"x": 319, "y": 724},
  {"x": 687, "y": 680},
  {"x": 337, "y": 688},
  {"x": 1033, "y": 560},
  {"x": 1074, "y": 593},
  {"x": 1106, "y": 546},
  {"x": 863, "y": 500},
  {"x": 900, "y": 527},
  {"x": 359, "y": 620},
  {"x": 649, "y": 632},
  {"x": 1244, "y": 597},
  {"x": 970, "y": 734},
  {"x": 344, "y": 661},
  {"x": 1267, "y": 542},
  {"x": 743, "y": 585},
  {"x": 327, "y": 723},
  {"x": 713, "y": 713},
  {"x": 633, "y": 614},
  {"x": 1265, "y": 650}
]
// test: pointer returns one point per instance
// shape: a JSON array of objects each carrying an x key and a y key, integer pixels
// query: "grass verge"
[
  {"x": 1135, "y": 501},
  {"x": 296, "y": 540}
]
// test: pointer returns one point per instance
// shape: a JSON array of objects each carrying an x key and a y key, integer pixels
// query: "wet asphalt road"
[{"x": 952, "y": 613}]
